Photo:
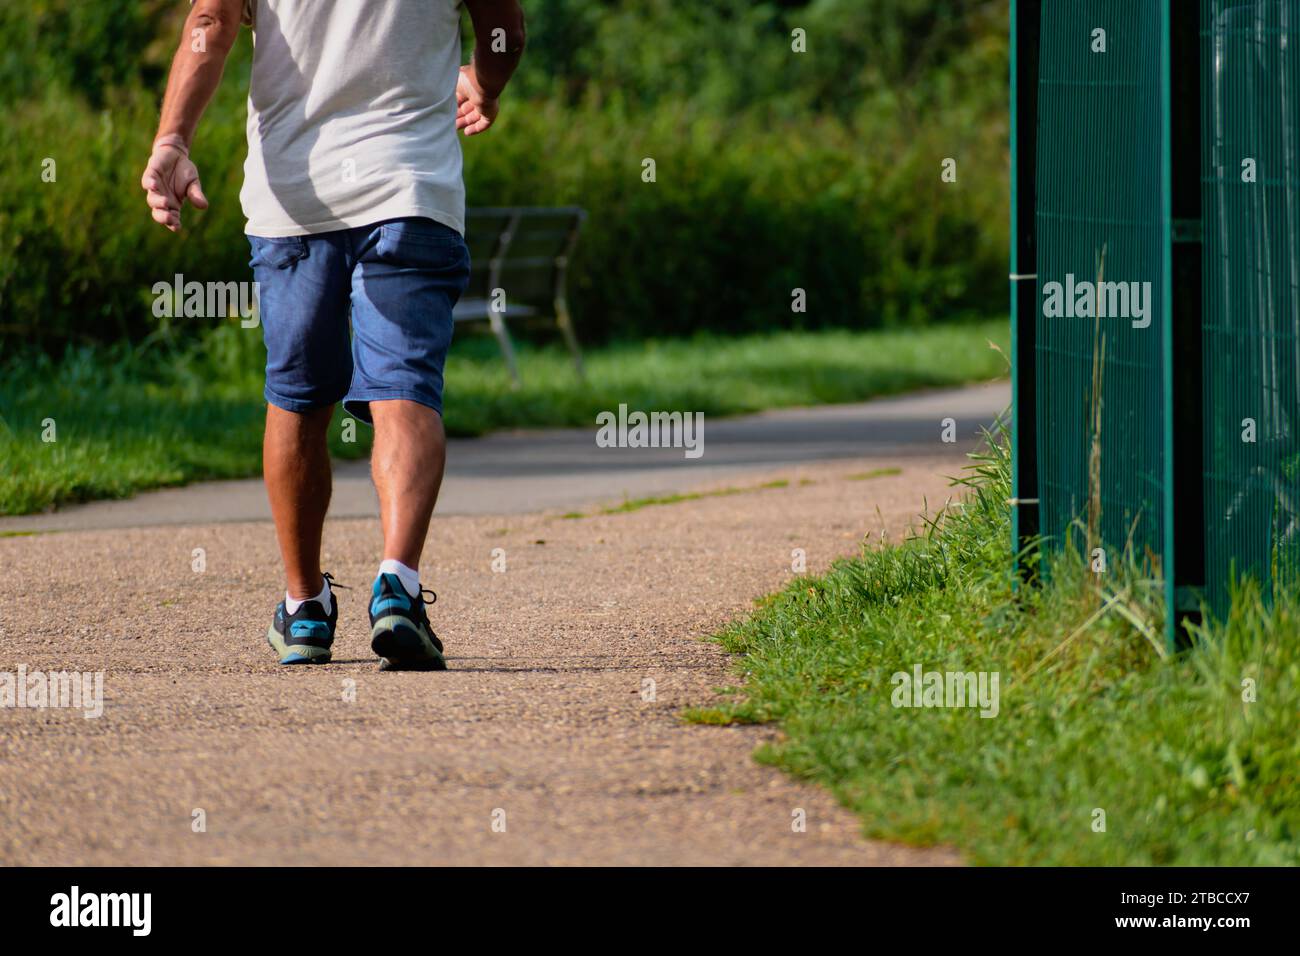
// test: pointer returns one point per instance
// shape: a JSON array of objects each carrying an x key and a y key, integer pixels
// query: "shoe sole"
[
  {"x": 403, "y": 648},
  {"x": 298, "y": 653}
]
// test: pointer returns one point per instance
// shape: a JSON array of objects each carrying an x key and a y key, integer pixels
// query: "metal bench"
[{"x": 520, "y": 259}]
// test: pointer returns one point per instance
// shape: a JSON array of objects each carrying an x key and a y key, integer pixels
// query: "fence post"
[
  {"x": 1184, "y": 567},
  {"x": 1025, "y": 27}
]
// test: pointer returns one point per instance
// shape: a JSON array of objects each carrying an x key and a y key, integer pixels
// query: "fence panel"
[
  {"x": 1156, "y": 375},
  {"x": 1101, "y": 236},
  {"x": 1251, "y": 200}
]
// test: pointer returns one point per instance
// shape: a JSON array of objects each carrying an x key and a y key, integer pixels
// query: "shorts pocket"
[
  {"x": 277, "y": 253},
  {"x": 422, "y": 243},
  {"x": 419, "y": 231}
]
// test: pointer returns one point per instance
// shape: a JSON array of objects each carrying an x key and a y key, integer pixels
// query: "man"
[{"x": 355, "y": 208}]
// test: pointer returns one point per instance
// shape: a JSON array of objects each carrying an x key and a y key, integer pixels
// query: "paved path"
[
  {"x": 512, "y": 473},
  {"x": 559, "y": 718}
]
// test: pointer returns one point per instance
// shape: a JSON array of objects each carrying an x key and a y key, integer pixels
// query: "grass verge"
[
  {"x": 653, "y": 501},
  {"x": 1095, "y": 725},
  {"x": 127, "y": 419}
]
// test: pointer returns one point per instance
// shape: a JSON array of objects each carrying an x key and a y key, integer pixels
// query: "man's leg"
[
  {"x": 304, "y": 285},
  {"x": 407, "y": 462},
  {"x": 410, "y": 273},
  {"x": 296, "y": 468}
]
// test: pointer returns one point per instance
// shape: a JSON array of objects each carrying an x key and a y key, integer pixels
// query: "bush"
[
  {"x": 88, "y": 47},
  {"x": 774, "y": 170}
]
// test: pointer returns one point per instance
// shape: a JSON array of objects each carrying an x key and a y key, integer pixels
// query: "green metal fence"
[
  {"x": 1251, "y": 161},
  {"x": 1156, "y": 286}
]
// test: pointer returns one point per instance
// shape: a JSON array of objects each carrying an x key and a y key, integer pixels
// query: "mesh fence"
[
  {"x": 1250, "y": 163},
  {"x": 1100, "y": 267},
  {"x": 1133, "y": 262}
]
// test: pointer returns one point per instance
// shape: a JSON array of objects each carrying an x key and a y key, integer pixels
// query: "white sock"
[
  {"x": 326, "y": 599},
  {"x": 409, "y": 577}
]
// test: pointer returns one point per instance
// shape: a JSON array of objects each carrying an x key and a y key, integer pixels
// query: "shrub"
[{"x": 774, "y": 170}]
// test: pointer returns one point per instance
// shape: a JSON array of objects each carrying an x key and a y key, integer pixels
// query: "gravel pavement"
[{"x": 554, "y": 738}]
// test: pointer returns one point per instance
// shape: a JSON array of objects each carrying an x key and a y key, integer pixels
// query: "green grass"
[
  {"x": 875, "y": 473},
  {"x": 128, "y": 419},
  {"x": 636, "y": 504},
  {"x": 1093, "y": 714}
]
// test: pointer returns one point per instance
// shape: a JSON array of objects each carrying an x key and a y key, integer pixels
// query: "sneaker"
[
  {"x": 399, "y": 628},
  {"x": 305, "y": 636}
]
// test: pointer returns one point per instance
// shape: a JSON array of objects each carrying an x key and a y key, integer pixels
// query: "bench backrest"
[{"x": 522, "y": 249}]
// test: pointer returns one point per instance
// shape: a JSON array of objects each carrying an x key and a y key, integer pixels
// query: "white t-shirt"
[{"x": 352, "y": 115}]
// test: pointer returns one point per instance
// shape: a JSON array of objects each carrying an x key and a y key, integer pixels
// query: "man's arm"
[
  {"x": 170, "y": 177},
  {"x": 498, "y": 45}
]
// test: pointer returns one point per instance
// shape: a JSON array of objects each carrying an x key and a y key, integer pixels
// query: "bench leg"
[
  {"x": 507, "y": 347},
  {"x": 565, "y": 322}
]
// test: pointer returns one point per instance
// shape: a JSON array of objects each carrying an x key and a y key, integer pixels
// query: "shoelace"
[
  {"x": 329, "y": 579},
  {"x": 431, "y": 599}
]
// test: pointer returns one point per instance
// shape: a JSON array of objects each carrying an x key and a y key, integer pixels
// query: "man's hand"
[
  {"x": 476, "y": 112},
  {"x": 170, "y": 179},
  {"x": 498, "y": 44}
]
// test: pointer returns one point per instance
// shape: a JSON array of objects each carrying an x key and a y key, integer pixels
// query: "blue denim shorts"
[{"x": 393, "y": 283}]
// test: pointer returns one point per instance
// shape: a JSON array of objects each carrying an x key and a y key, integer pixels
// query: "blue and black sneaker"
[
  {"x": 305, "y": 636},
  {"x": 399, "y": 628}
]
